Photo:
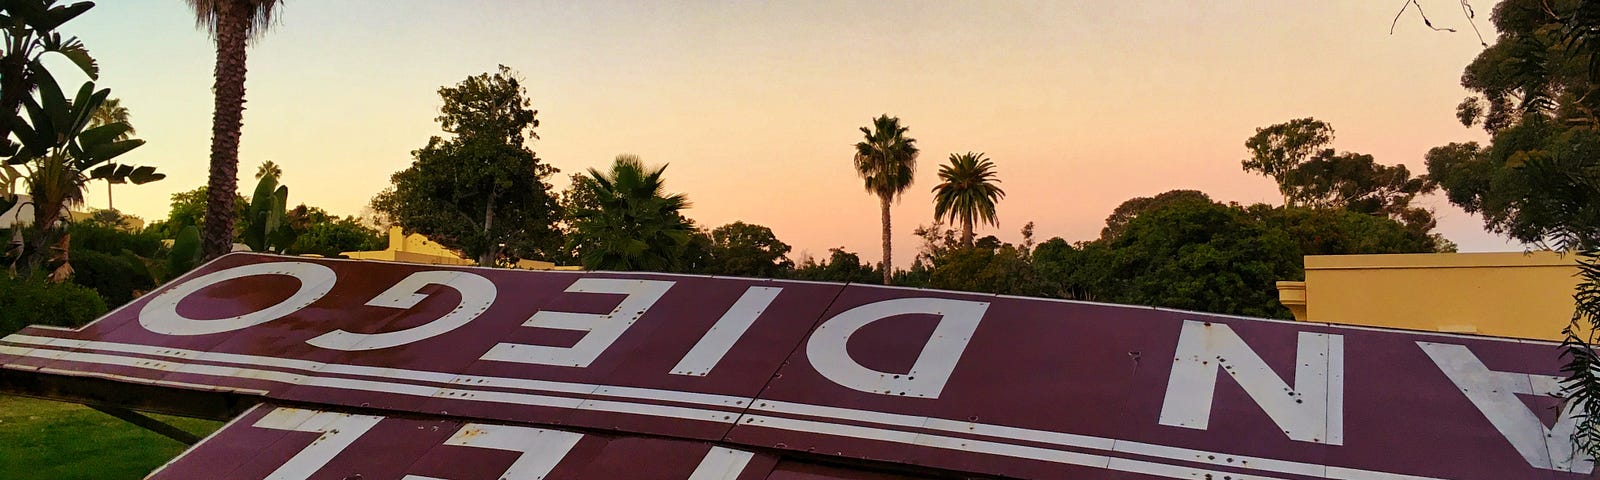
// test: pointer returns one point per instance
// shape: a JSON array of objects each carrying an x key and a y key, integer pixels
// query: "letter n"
[{"x": 1310, "y": 410}]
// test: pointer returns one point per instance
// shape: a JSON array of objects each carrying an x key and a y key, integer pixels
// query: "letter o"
[{"x": 161, "y": 314}]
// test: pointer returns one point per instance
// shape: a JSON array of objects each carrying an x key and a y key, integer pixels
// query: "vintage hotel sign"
[{"x": 419, "y": 372}]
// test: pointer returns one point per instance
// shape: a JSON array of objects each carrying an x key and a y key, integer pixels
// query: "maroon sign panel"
[{"x": 770, "y": 370}]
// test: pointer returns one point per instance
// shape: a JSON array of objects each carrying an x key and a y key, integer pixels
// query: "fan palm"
[
  {"x": 967, "y": 193},
  {"x": 886, "y": 160},
  {"x": 633, "y": 224},
  {"x": 267, "y": 168},
  {"x": 232, "y": 23}
]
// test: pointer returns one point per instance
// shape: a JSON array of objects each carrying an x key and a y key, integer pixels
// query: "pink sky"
[{"x": 756, "y": 106}]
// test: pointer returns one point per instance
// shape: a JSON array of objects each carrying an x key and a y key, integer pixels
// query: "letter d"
[{"x": 957, "y": 320}]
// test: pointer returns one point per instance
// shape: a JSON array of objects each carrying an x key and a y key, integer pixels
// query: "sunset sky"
[{"x": 756, "y": 105}]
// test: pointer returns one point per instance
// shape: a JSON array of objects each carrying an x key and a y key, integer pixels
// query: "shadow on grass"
[{"x": 41, "y": 440}]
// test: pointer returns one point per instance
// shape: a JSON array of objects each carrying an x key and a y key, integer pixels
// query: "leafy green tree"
[
  {"x": 967, "y": 193},
  {"x": 841, "y": 266},
  {"x": 1356, "y": 182},
  {"x": 1276, "y": 150},
  {"x": 117, "y": 263},
  {"x": 633, "y": 224},
  {"x": 748, "y": 250},
  {"x": 481, "y": 191},
  {"x": 1309, "y": 175},
  {"x": 188, "y": 209},
  {"x": 232, "y": 24},
  {"x": 1322, "y": 231},
  {"x": 1534, "y": 92},
  {"x": 1538, "y": 180},
  {"x": 886, "y": 160},
  {"x": 988, "y": 266},
  {"x": 1055, "y": 263},
  {"x": 1117, "y": 222},
  {"x": 330, "y": 238},
  {"x": 1195, "y": 256}
]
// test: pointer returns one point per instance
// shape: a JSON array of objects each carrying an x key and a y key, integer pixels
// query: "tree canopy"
[
  {"x": 747, "y": 250},
  {"x": 1295, "y": 155},
  {"x": 1534, "y": 93},
  {"x": 481, "y": 191}
]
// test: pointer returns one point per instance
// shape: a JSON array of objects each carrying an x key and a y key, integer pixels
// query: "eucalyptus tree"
[
  {"x": 967, "y": 192},
  {"x": 232, "y": 24},
  {"x": 886, "y": 160}
]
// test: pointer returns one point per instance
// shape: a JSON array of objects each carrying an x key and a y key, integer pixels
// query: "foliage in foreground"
[{"x": 25, "y": 301}]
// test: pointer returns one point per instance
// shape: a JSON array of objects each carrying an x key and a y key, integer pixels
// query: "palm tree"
[
  {"x": 967, "y": 192},
  {"x": 111, "y": 111},
  {"x": 632, "y": 224},
  {"x": 886, "y": 161},
  {"x": 232, "y": 23},
  {"x": 269, "y": 167}
]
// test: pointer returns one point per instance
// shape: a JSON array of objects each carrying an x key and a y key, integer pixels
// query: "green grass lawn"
[{"x": 57, "y": 441}]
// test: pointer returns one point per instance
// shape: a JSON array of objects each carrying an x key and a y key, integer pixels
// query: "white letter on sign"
[
  {"x": 476, "y": 295},
  {"x": 1312, "y": 410},
  {"x": 1495, "y": 394},
  {"x": 716, "y": 343},
  {"x": 161, "y": 314},
  {"x": 338, "y": 431},
  {"x": 957, "y": 320},
  {"x": 540, "y": 449},
  {"x": 603, "y": 328}
]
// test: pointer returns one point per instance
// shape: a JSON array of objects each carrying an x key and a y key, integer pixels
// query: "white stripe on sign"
[
  {"x": 722, "y": 464},
  {"x": 545, "y": 386},
  {"x": 727, "y": 331},
  {"x": 718, "y": 416}
]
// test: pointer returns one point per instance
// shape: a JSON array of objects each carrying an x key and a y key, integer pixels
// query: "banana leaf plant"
[
  {"x": 266, "y": 225},
  {"x": 62, "y": 154},
  {"x": 10, "y": 178},
  {"x": 27, "y": 33}
]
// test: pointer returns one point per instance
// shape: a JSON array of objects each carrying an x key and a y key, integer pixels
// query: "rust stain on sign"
[{"x": 888, "y": 378}]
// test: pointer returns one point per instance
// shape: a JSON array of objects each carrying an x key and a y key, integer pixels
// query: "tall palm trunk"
[
  {"x": 966, "y": 231},
  {"x": 888, "y": 247},
  {"x": 493, "y": 248},
  {"x": 226, "y": 122}
]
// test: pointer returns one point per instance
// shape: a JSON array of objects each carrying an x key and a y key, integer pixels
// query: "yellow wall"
[
  {"x": 1514, "y": 294},
  {"x": 415, "y": 248}
]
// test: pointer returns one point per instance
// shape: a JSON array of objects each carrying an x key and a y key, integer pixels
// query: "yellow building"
[
  {"x": 1513, "y": 294},
  {"x": 415, "y": 248}
]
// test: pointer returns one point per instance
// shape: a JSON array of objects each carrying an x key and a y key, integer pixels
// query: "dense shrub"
[
  {"x": 35, "y": 302},
  {"x": 118, "y": 263},
  {"x": 118, "y": 278}
]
